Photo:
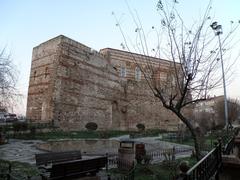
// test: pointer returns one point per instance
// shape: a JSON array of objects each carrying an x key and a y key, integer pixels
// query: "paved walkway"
[
  {"x": 25, "y": 150},
  {"x": 20, "y": 150}
]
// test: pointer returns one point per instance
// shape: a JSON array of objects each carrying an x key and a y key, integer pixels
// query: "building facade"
[
  {"x": 208, "y": 105},
  {"x": 71, "y": 84},
  {"x": 206, "y": 113}
]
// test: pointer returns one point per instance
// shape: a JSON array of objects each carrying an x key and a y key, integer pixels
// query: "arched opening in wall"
[
  {"x": 116, "y": 115},
  {"x": 115, "y": 105},
  {"x": 46, "y": 72},
  {"x": 34, "y": 75}
]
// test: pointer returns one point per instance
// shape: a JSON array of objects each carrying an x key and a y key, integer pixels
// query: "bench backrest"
[
  {"x": 78, "y": 167},
  {"x": 54, "y": 157}
]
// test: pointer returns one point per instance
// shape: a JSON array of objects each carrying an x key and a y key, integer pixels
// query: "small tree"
[
  {"x": 194, "y": 52},
  {"x": 233, "y": 110},
  {"x": 7, "y": 80}
]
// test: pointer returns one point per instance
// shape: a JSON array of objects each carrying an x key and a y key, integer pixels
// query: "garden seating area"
[
  {"x": 60, "y": 165},
  {"x": 154, "y": 162}
]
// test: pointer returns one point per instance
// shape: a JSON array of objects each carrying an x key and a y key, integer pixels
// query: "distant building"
[
  {"x": 207, "y": 109},
  {"x": 71, "y": 84},
  {"x": 7, "y": 117},
  {"x": 2, "y": 114},
  {"x": 208, "y": 105},
  {"x": 2, "y": 117}
]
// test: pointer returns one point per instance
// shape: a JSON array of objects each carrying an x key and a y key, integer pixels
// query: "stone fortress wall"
[{"x": 71, "y": 84}]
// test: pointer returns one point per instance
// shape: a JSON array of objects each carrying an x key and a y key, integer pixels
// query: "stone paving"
[
  {"x": 25, "y": 150},
  {"x": 20, "y": 150}
]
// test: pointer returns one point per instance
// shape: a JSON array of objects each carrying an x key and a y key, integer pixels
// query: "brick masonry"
[{"x": 71, "y": 84}]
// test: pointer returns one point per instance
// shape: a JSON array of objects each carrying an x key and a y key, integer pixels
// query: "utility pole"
[{"x": 218, "y": 31}]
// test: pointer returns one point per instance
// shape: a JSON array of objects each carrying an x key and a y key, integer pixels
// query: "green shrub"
[
  {"x": 20, "y": 126},
  {"x": 154, "y": 132},
  {"x": 147, "y": 159},
  {"x": 91, "y": 126},
  {"x": 104, "y": 134},
  {"x": 33, "y": 131},
  {"x": 141, "y": 127}
]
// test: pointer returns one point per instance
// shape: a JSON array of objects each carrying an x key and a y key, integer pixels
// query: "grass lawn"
[
  {"x": 160, "y": 171},
  {"x": 58, "y": 134},
  {"x": 69, "y": 135},
  {"x": 18, "y": 169},
  {"x": 208, "y": 141},
  {"x": 156, "y": 171},
  {"x": 150, "y": 172}
]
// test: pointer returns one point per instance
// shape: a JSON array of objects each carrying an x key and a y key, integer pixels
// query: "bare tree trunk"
[
  {"x": 196, "y": 144},
  {"x": 193, "y": 133},
  {"x": 187, "y": 122}
]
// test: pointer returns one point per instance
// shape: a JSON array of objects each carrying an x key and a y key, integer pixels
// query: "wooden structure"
[
  {"x": 63, "y": 165},
  {"x": 54, "y": 157}
]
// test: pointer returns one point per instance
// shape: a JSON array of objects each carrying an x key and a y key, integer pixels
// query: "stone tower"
[{"x": 42, "y": 82}]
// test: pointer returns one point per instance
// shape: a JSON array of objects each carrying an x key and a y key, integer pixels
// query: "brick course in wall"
[{"x": 71, "y": 84}]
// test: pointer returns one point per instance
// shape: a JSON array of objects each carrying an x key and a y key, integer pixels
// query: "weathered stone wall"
[
  {"x": 87, "y": 88},
  {"x": 74, "y": 85},
  {"x": 142, "y": 106},
  {"x": 128, "y": 60},
  {"x": 41, "y": 82}
]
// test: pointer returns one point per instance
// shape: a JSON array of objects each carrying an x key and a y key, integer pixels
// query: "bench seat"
[
  {"x": 54, "y": 157},
  {"x": 75, "y": 168}
]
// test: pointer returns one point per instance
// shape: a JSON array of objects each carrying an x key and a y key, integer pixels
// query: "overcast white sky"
[{"x": 26, "y": 24}]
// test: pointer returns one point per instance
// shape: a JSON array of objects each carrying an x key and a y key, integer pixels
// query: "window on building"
[
  {"x": 123, "y": 71},
  {"x": 137, "y": 74},
  {"x": 173, "y": 80}
]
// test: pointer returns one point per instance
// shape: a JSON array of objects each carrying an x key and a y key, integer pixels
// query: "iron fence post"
[
  {"x": 174, "y": 151},
  {"x": 107, "y": 162}
]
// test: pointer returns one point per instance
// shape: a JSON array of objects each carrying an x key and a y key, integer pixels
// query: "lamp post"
[{"x": 218, "y": 30}]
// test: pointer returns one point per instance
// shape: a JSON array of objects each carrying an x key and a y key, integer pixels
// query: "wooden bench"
[
  {"x": 62, "y": 165},
  {"x": 54, "y": 157},
  {"x": 75, "y": 168}
]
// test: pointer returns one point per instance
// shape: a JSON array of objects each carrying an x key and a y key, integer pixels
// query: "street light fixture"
[{"x": 218, "y": 30}]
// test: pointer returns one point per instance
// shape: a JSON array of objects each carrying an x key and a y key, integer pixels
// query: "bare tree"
[
  {"x": 8, "y": 76},
  {"x": 194, "y": 52}
]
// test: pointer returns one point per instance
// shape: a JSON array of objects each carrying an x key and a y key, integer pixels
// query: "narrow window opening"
[
  {"x": 137, "y": 74},
  {"x": 123, "y": 71}
]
